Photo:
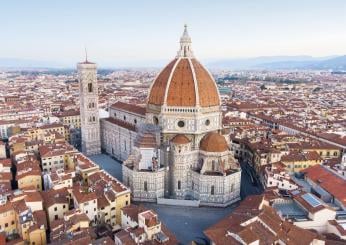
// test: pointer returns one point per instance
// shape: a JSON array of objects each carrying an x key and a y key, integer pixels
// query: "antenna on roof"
[{"x": 86, "y": 54}]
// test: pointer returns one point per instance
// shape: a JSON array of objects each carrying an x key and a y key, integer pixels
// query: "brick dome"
[
  {"x": 180, "y": 139},
  {"x": 184, "y": 82},
  {"x": 213, "y": 142}
]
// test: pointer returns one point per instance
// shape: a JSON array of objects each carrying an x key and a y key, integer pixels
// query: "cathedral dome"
[
  {"x": 180, "y": 139},
  {"x": 184, "y": 82},
  {"x": 213, "y": 142}
]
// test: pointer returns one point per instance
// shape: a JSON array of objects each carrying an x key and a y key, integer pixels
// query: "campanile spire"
[{"x": 185, "y": 45}]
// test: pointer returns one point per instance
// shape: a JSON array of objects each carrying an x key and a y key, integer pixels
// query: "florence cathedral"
[{"x": 175, "y": 149}]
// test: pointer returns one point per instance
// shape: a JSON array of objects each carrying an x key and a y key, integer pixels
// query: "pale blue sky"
[{"x": 132, "y": 32}]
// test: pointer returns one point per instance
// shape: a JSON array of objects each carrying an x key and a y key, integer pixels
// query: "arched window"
[
  {"x": 213, "y": 165},
  {"x": 179, "y": 184},
  {"x": 212, "y": 191},
  {"x": 90, "y": 87}
]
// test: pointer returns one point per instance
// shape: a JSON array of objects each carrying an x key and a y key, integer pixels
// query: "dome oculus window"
[
  {"x": 207, "y": 122},
  {"x": 181, "y": 124}
]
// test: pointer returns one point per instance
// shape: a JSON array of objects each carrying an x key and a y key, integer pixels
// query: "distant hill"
[
  {"x": 302, "y": 62},
  {"x": 337, "y": 63},
  {"x": 27, "y": 63},
  {"x": 258, "y": 62}
]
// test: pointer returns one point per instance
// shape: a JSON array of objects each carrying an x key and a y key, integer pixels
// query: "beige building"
[{"x": 56, "y": 204}]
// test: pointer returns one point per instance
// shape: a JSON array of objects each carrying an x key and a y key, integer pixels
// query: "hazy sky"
[{"x": 132, "y": 32}]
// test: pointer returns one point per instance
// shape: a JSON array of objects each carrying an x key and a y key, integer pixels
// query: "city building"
[{"x": 89, "y": 111}]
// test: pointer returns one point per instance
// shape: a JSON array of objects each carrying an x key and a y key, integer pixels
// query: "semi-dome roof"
[
  {"x": 213, "y": 142},
  {"x": 184, "y": 82},
  {"x": 180, "y": 139}
]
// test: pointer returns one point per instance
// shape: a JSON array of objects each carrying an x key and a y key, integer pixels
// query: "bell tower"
[{"x": 91, "y": 143}]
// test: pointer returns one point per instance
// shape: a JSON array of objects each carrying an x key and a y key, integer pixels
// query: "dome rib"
[
  {"x": 181, "y": 90},
  {"x": 184, "y": 82},
  {"x": 158, "y": 88},
  {"x": 207, "y": 89}
]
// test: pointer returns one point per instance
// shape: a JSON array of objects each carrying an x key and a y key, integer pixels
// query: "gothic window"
[
  {"x": 145, "y": 186},
  {"x": 90, "y": 87},
  {"x": 179, "y": 184},
  {"x": 156, "y": 120},
  {"x": 212, "y": 191},
  {"x": 213, "y": 165}
]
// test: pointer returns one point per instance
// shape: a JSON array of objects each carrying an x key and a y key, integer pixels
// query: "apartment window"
[
  {"x": 6, "y": 224},
  {"x": 113, "y": 208},
  {"x": 127, "y": 203},
  {"x": 86, "y": 212},
  {"x": 63, "y": 206},
  {"x": 12, "y": 223},
  {"x": 55, "y": 209},
  {"x": 232, "y": 187},
  {"x": 179, "y": 184},
  {"x": 328, "y": 153},
  {"x": 335, "y": 153},
  {"x": 56, "y": 217}
]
